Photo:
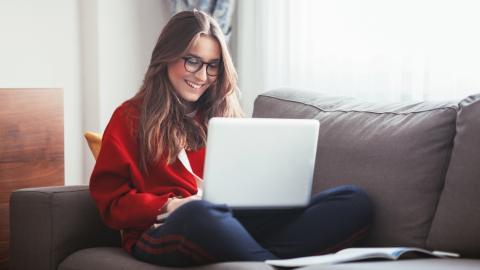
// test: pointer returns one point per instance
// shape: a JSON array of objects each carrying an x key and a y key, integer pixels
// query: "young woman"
[{"x": 151, "y": 163}]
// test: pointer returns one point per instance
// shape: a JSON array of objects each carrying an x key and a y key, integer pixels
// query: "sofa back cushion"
[
  {"x": 456, "y": 225},
  {"x": 397, "y": 152}
]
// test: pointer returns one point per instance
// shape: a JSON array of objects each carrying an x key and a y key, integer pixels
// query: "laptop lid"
[{"x": 260, "y": 162}]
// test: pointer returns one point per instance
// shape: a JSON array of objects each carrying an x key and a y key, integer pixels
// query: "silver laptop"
[{"x": 260, "y": 162}]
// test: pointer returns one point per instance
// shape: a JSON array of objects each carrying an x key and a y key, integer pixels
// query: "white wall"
[
  {"x": 127, "y": 33},
  {"x": 118, "y": 38},
  {"x": 247, "y": 51},
  {"x": 97, "y": 51}
]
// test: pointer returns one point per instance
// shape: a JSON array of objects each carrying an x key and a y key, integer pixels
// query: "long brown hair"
[{"x": 164, "y": 129}]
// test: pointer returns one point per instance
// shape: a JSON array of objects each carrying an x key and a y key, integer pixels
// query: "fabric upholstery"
[
  {"x": 48, "y": 224},
  {"x": 397, "y": 152},
  {"x": 106, "y": 258},
  {"x": 457, "y": 222}
]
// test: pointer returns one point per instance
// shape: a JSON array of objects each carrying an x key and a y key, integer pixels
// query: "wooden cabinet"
[{"x": 31, "y": 147}]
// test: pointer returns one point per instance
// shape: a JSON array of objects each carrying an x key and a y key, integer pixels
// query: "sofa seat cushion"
[
  {"x": 106, "y": 258},
  {"x": 397, "y": 152},
  {"x": 412, "y": 264}
]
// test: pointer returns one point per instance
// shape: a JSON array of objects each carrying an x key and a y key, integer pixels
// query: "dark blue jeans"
[{"x": 200, "y": 232}]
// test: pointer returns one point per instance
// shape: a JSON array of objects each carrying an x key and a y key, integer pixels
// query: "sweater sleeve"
[
  {"x": 120, "y": 204},
  {"x": 115, "y": 178}
]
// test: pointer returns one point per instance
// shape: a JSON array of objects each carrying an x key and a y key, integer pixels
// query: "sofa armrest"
[{"x": 48, "y": 224}]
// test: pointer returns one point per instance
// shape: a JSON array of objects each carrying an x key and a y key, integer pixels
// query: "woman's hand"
[
  {"x": 197, "y": 178},
  {"x": 175, "y": 203}
]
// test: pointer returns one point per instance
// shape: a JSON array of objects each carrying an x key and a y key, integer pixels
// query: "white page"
[{"x": 355, "y": 254}]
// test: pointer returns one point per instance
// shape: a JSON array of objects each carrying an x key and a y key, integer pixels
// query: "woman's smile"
[{"x": 194, "y": 85}]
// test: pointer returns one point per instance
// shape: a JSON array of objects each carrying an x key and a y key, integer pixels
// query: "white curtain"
[{"x": 392, "y": 50}]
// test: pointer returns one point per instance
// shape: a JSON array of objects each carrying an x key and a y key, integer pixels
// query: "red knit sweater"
[{"x": 126, "y": 199}]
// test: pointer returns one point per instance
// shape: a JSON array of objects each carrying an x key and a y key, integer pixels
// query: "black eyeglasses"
[{"x": 194, "y": 64}]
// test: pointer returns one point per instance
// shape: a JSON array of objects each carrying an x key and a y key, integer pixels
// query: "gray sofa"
[{"x": 420, "y": 163}]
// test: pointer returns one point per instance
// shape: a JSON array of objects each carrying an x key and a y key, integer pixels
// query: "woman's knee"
[
  {"x": 200, "y": 209},
  {"x": 361, "y": 202},
  {"x": 355, "y": 198}
]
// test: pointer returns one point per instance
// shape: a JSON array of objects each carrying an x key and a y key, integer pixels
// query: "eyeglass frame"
[{"x": 208, "y": 64}]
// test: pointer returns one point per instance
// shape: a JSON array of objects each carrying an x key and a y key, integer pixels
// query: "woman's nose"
[{"x": 201, "y": 74}]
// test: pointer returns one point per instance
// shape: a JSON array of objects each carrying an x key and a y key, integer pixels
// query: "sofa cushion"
[
  {"x": 94, "y": 141},
  {"x": 397, "y": 152},
  {"x": 49, "y": 223},
  {"x": 105, "y": 258},
  {"x": 457, "y": 222}
]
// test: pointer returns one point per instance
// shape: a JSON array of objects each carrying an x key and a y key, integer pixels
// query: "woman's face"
[{"x": 189, "y": 85}]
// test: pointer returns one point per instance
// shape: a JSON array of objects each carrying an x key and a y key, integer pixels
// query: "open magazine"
[{"x": 357, "y": 254}]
